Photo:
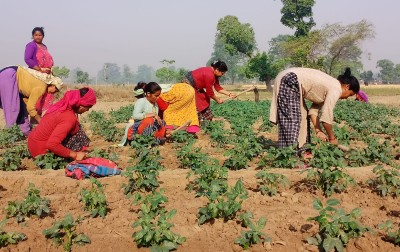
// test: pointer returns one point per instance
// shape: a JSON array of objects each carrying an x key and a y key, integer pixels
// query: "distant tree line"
[{"x": 329, "y": 49}]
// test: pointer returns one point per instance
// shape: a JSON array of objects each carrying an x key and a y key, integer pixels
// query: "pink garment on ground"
[
  {"x": 43, "y": 57},
  {"x": 72, "y": 99}
]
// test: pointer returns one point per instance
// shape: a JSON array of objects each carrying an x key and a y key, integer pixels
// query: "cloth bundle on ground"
[{"x": 95, "y": 167}]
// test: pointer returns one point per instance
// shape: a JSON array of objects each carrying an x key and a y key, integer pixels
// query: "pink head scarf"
[
  {"x": 72, "y": 99},
  {"x": 362, "y": 96}
]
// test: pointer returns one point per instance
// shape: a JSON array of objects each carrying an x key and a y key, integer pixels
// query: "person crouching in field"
[
  {"x": 59, "y": 131},
  {"x": 178, "y": 106},
  {"x": 289, "y": 111},
  {"x": 145, "y": 115},
  {"x": 21, "y": 89},
  {"x": 362, "y": 96}
]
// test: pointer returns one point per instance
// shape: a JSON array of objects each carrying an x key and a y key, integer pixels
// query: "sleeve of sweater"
[
  {"x": 30, "y": 55},
  {"x": 60, "y": 132},
  {"x": 217, "y": 86},
  {"x": 209, "y": 80},
  {"x": 139, "y": 109},
  {"x": 34, "y": 97}
]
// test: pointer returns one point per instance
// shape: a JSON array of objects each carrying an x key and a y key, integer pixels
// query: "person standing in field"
[
  {"x": 21, "y": 89},
  {"x": 36, "y": 54},
  {"x": 289, "y": 111},
  {"x": 59, "y": 131},
  {"x": 203, "y": 80}
]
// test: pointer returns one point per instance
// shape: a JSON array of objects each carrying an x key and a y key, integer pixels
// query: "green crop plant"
[
  {"x": 50, "y": 161},
  {"x": 143, "y": 175},
  {"x": 326, "y": 155},
  {"x": 181, "y": 136},
  {"x": 223, "y": 206},
  {"x": 254, "y": 235},
  {"x": 64, "y": 233},
  {"x": 280, "y": 158},
  {"x": 152, "y": 202},
  {"x": 270, "y": 183},
  {"x": 104, "y": 153},
  {"x": 336, "y": 227},
  {"x": 191, "y": 157},
  {"x": 11, "y": 159},
  {"x": 94, "y": 199},
  {"x": 11, "y": 135},
  {"x": 378, "y": 152},
  {"x": 122, "y": 115},
  {"x": 386, "y": 182},
  {"x": 155, "y": 230},
  {"x": 208, "y": 178},
  {"x": 143, "y": 141},
  {"x": 329, "y": 180},
  {"x": 217, "y": 133},
  {"x": 392, "y": 234},
  {"x": 33, "y": 204},
  {"x": 7, "y": 238}
]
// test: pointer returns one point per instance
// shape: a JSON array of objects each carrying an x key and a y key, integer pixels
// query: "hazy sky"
[{"x": 88, "y": 33}]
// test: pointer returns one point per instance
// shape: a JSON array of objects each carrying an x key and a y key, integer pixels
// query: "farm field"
[{"x": 221, "y": 166}]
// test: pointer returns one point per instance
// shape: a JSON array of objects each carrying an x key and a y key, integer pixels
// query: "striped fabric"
[{"x": 95, "y": 167}]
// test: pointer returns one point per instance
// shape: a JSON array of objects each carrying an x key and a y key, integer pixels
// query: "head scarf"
[
  {"x": 362, "y": 96},
  {"x": 49, "y": 79},
  {"x": 72, "y": 99},
  {"x": 138, "y": 92}
]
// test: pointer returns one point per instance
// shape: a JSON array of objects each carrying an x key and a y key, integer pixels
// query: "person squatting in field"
[
  {"x": 59, "y": 131},
  {"x": 21, "y": 90},
  {"x": 203, "y": 80},
  {"x": 145, "y": 115},
  {"x": 288, "y": 107},
  {"x": 37, "y": 57}
]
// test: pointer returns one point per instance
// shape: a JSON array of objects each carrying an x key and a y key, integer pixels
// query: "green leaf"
[{"x": 317, "y": 204}]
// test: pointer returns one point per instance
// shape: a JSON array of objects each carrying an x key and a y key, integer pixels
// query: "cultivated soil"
[{"x": 287, "y": 212}]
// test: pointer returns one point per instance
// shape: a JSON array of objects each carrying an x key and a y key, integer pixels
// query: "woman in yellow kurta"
[
  {"x": 20, "y": 83},
  {"x": 178, "y": 105}
]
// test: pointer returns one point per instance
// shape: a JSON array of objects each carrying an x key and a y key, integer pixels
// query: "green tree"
[
  {"x": 238, "y": 37},
  {"x": 110, "y": 73},
  {"x": 144, "y": 73},
  {"x": 367, "y": 76},
  {"x": 263, "y": 67},
  {"x": 166, "y": 74},
  {"x": 82, "y": 77},
  {"x": 298, "y": 14},
  {"x": 344, "y": 43},
  {"x": 61, "y": 72},
  {"x": 387, "y": 70},
  {"x": 234, "y": 62},
  {"x": 127, "y": 75}
]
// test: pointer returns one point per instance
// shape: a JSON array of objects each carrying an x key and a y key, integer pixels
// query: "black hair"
[
  {"x": 220, "y": 65},
  {"x": 347, "y": 78},
  {"x": 151, "y": 88},
  {"x": 83, "y": 91},
  {"x": 140, "y": 85},
  {"x": 39, "y": 29}
]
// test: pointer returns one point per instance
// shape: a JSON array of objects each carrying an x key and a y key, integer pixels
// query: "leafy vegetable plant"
[
  {"x": 7, "y": 238},
  {"x": 94, "y": 199},
  {"x": 386, "y": 182},
  {"x": 64, "y": 233},
  {"x": 336, "y": 227},
  {"x": 33, "y": 204},
  {"x": 392, "y": 234},
  {"x": 254, "y": 235},
  {"x": 270, "y": 183},
  {"x": 50, "y": 161}
]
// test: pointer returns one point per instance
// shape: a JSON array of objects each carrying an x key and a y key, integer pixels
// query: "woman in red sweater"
[
  {"x": 203, "y": 80},
  {"x": 59, "y": 130}
]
